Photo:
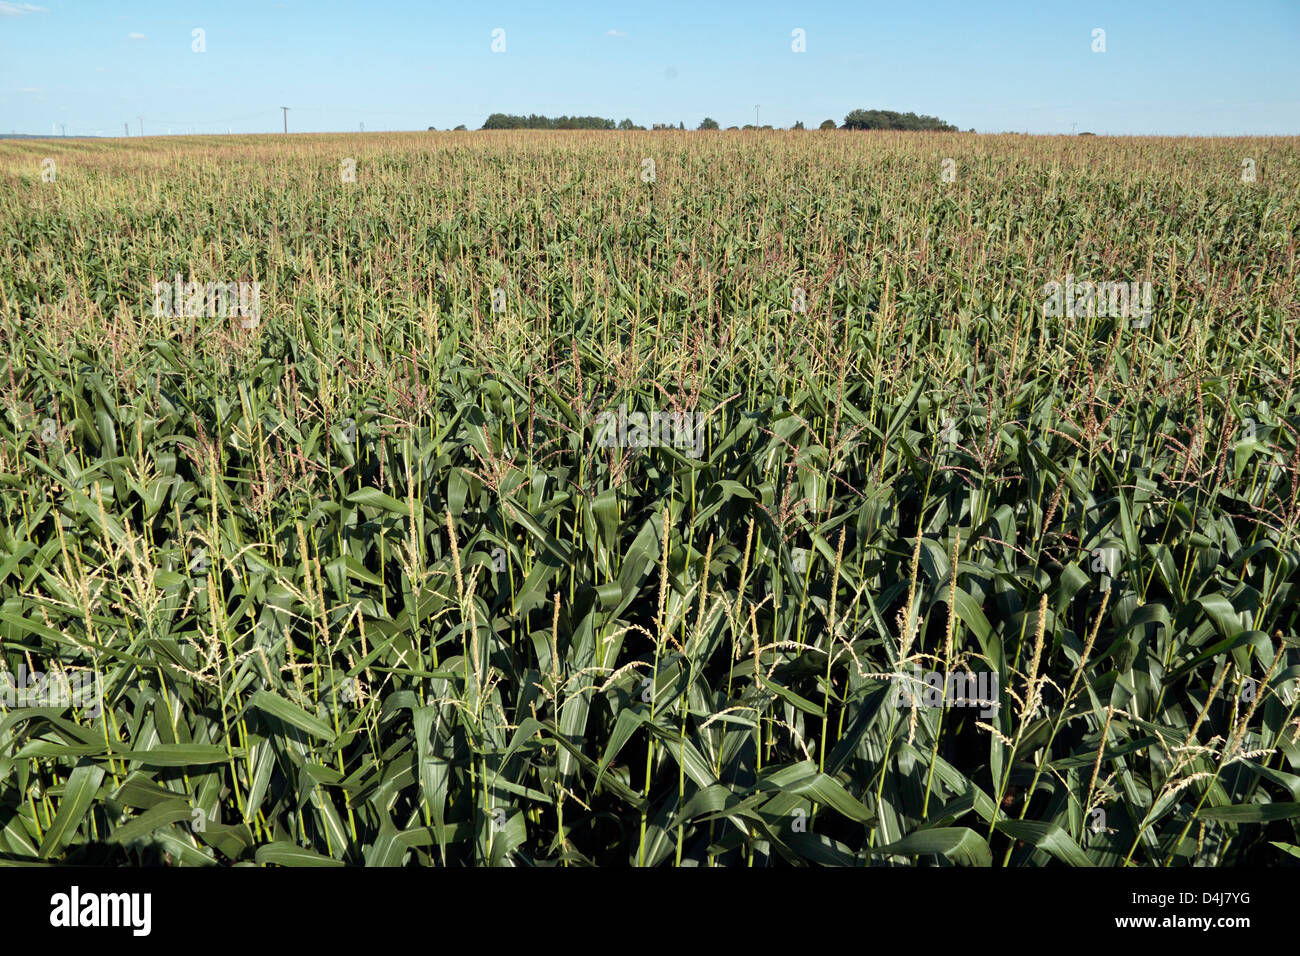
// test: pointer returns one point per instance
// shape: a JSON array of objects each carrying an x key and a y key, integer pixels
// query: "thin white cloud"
[
  {"x": 19, "y": 9},
  {"x": 135, "y": 36},
  {"x": 615, "y": 33},
  {"x": 30, "y": 89}
]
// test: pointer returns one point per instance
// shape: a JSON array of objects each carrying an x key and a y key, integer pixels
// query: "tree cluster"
[
  {"x": 888, "y": 119},
  {"x": 858, "y": 119},
  {"x": 533, "y": 121}
]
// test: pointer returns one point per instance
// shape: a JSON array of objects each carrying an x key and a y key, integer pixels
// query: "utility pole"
[
  {"x": 64, "y": 128},
  {"x": 126, "y": 129},
  {"x": 286, "y": 119},
  {"x": 141, "y": 119},
  {"x": 756, "y": 114}
]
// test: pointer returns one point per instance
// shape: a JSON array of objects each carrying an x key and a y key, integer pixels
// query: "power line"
[
  {"x": 215, "y": 124},
  {"x": 211, "y": 122},
  {"x": 357, "y": 109}
]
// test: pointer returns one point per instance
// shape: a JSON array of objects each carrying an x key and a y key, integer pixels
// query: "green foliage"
[
  {"x": 361, "y": 586},
  {"x": 888, "y": 119},
  {"x": 533, "y": 121}
]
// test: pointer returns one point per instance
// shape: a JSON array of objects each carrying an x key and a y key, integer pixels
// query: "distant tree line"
[
  {"x": 858, "y": 119},
  {"x": 888, "y": 119},
  {"x": 533, "y": 121}
]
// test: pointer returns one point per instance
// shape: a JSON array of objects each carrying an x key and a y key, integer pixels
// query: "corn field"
[{"x": 650, "y": 499}]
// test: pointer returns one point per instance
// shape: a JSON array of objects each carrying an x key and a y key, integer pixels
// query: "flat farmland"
[{"x": 650, "y": 498}]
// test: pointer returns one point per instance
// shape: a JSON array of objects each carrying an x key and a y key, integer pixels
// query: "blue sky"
[{"x": 1183, "y": 67}]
